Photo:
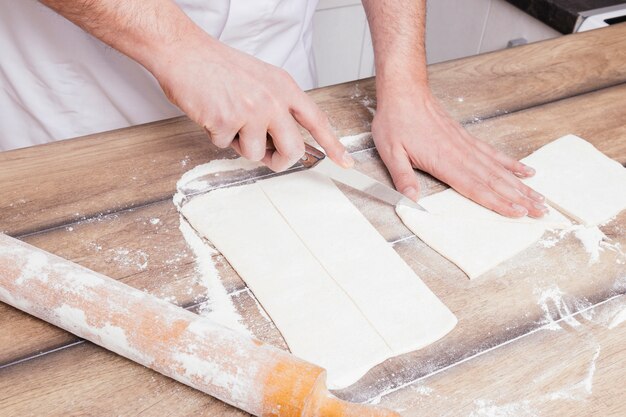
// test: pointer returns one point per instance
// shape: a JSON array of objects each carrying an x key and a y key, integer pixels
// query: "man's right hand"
[
  {"x": 229, "y": 92},
  {"x": 226, "y": 91}
]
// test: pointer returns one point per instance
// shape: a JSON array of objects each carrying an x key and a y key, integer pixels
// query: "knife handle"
[{"x": 311, "y": 155}]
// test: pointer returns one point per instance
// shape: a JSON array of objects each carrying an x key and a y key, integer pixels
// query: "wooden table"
[{"x": 537, "y": 335}]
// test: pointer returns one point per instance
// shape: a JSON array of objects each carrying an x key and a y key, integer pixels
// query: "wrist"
[{"x": 402, "y": 92}]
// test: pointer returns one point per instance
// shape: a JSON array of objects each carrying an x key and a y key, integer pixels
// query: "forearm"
[
  {"x": 146, "y": 31},
  {"x": 397, "y": 28}
]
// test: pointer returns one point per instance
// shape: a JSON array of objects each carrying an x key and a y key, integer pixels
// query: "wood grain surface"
[{"x": 104, "y": 201}]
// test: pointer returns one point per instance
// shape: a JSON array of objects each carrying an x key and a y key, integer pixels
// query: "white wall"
[{"x": 454, "y": 29}]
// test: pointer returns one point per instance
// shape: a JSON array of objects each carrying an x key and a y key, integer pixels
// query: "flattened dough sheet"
[
  {"x": 572, "y": 174},
  {"x": 579, "y": 180},
  {"x": 474, "y": 238},
  {"x": 337, "y": 291}
]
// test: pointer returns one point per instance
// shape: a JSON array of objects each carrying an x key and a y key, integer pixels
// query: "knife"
[
  {"x": 312, "y": 159},
  {"x": 316, "y": 160}
]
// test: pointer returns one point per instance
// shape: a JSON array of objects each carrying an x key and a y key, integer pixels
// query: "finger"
[
  {"x": 499, "y": 182},
  {"x": 309, "y": 115},
  {"x": 252, "y": 141},
  {"x": 516, "y": 167},
  {"x": 503, "y": 182},
  {"x": 489, "y": 160},
  {"x": 221, "y": 139},
  {"x": 402, "y": 173},
  {"x": 477, "y": 190},
  {"x": 288, "y": 142}
]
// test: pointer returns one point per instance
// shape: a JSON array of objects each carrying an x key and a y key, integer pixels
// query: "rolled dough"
[
  {"x": 474, "y": 238},
  {"x": 579, "y": 180},
  {"x": 573, "y": 175},
  {"x": 337, "y": 291}
]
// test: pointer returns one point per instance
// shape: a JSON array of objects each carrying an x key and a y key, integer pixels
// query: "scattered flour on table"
[
  {"x": 421, "y": 390},
  {"x": 125, "y": 257},
  {"x": 591, "y": 238},
  {"x": 618, "y": 319},
  {"x": 220, "y": 307},
  {"x": 611, "y": 315},
  {"x": 355, "y": 140},
  {"x": 486, "y": 408},
  {"x": 551, "y": 301},
  {"x": 581, "y": 390}
]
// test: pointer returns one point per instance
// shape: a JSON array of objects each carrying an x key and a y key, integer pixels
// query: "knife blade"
[
  {"x": 316, "y": 160},
  {"x": 312, "y": 159}
]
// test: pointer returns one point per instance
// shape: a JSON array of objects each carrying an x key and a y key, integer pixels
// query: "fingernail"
[
  {"x": 347, "y": 160},
  {"x": 411, "y": 193},
  {"x": 519, "y": 209},
  {"x": 541, "y": 207},
  {"x": 537, "y": 197},
  {"x": 528, "y": 170}
]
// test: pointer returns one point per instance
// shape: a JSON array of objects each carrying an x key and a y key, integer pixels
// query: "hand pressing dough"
[
  {"x": 337, "y": 291},
  {"x": 572, "y": 174},
  {"x": 579, "y": 180},
  {"x": 476, "y": 239}
]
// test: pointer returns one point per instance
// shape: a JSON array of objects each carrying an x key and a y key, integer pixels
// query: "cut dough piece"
[
  {"x": 579, "y": 180},
  {"x": 474, "y": 238},
  {"x": 451, "y": 203},
  {"x": 401, "y": 308},
  {"x": 337, "y": 291},
  {"x": 296, "y": 291}
]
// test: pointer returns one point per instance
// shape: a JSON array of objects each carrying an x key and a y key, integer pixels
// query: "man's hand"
[
  {"x": 413, "y": 131},
  {"x": 225, "y": 91},
  {"x": 229, "y": 93}
]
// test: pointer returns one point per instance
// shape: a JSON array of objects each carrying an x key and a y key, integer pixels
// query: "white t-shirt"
[{"x": 59, "y": 82}]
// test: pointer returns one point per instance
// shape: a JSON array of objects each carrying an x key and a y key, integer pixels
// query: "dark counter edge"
[{"x": 561, "y": 15}]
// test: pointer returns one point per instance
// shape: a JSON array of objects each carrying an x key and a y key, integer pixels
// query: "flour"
[
  {"x": 191, "y": 180},
  {"x": 355, "y": 141},
  {"x": 112, "y": 337},
  {"x": 618, "y": 319},
  {"x": 611, "y": 315},
  {"x": 219, "y": 307},
  {"x": 125, "y": 257},
  {"x": 551, "y": 301},
  {"x": 591, "y": 238},
  {"x": 581, "y": 390},
  {"x": 486, "y": 408},
  {"x": 420, "y": 390}
]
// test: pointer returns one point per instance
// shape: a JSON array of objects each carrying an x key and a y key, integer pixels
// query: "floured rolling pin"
[{"x": 235, "y": 368}]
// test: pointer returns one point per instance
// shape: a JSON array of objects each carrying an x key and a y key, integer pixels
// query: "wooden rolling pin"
[{"x": 237, "y": 369}]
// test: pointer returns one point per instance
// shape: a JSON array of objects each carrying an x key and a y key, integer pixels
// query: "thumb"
[{"x": 402, "y": 174}]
